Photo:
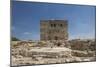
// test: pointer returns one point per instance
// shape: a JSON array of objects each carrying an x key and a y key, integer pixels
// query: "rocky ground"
[{"x": 51, "y": 52}]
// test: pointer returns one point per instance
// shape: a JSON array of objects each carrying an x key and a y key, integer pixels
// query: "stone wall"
[{"x": 83, "y": 44}]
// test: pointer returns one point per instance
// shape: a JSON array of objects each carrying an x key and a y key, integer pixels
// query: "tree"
[{"x": 15, "y": 39}]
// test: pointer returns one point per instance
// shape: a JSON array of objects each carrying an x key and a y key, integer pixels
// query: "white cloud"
[
  {"x": 27, "y": 33},
  {"x": 83, "y": 36}
]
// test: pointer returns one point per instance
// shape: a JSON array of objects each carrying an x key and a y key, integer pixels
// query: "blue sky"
[{"x": 26, "y": 18}]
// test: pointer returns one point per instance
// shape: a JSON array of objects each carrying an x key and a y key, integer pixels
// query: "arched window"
[
  {"x": 51, "y": 25},
  {"x": 61, "y": 25},
  {"x": 54, "y": 25}
]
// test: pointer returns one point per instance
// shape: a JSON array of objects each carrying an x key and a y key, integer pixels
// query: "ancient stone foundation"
[{"x": 51, "y": 52}]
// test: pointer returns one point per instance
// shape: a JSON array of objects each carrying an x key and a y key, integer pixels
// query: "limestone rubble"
[{"x": 51, "y": 52}]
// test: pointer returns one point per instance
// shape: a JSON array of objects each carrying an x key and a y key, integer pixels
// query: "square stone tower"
[{"x": 53, "y": 29}]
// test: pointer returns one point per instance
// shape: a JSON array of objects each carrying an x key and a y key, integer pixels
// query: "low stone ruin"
[
  {"x": 48, "y": 52},
  {"x": 78, "y": 44}
]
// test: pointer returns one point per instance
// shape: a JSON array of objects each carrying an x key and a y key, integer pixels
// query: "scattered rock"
[{"x": 47, "y": 52}]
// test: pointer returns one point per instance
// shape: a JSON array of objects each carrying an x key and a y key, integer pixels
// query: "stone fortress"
[{"x": 53, "y": 30}]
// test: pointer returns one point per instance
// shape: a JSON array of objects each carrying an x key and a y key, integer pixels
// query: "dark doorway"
[{"x": 56, "y": 38}]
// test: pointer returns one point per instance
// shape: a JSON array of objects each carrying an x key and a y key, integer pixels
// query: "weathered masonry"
[{"x": 53, "y": 30}]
